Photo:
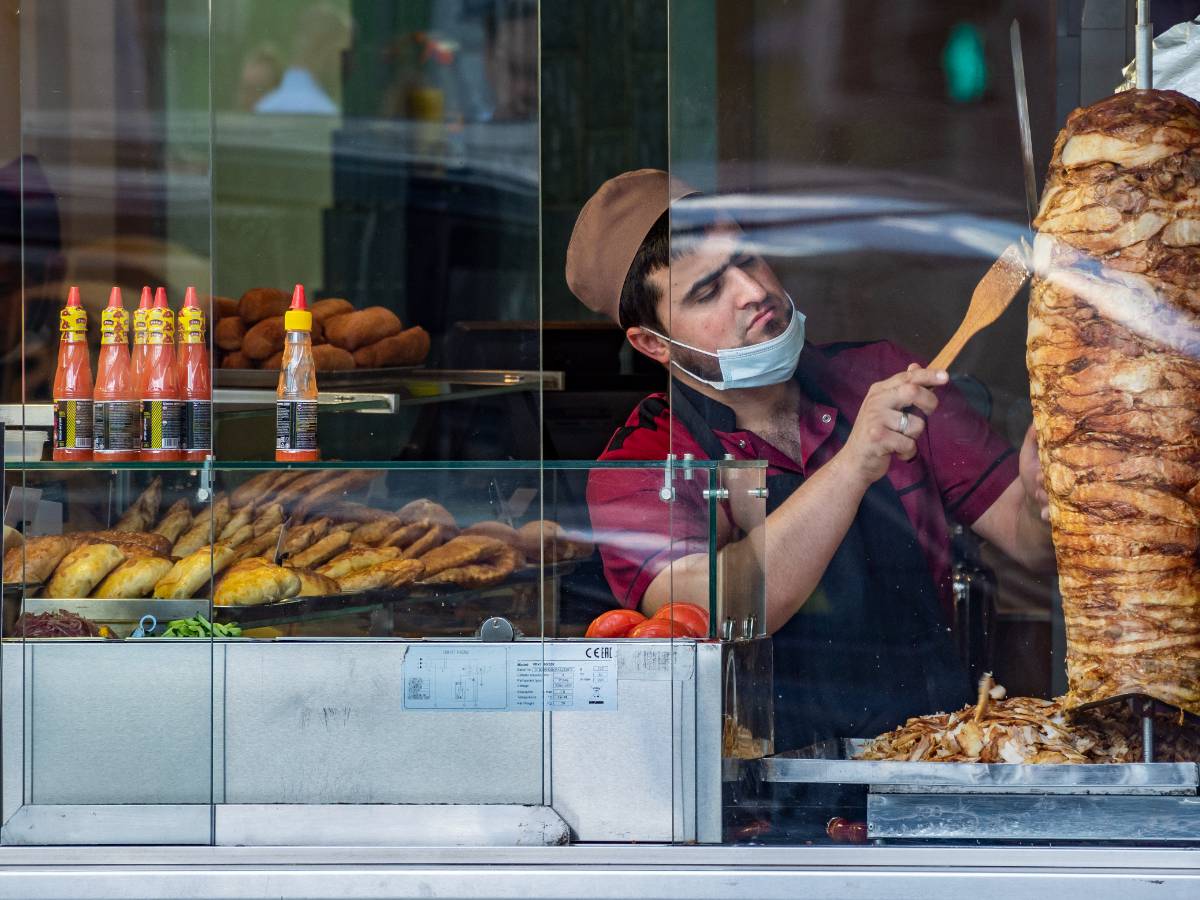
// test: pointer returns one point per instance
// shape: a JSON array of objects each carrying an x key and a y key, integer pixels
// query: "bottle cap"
[
  {"x": 191, "y": 319},
  {"x": 73, "y": 318},
  {"x": 145, "y": 302},
  {"x": 160, "y": 320},
  {"x": 114, "y": 320},
  {"x": 298, "y": 318}
]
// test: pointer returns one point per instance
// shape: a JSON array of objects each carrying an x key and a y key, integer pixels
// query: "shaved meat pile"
[
  {"x": 1114, "y": 370},
  {"x": 1030, "y": 730}
]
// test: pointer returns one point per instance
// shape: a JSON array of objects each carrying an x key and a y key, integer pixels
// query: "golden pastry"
[
  {"x": 143, "y": 512},
  {"x": 176, "y": 521},
  {"x": 194, "y": 571},
  {"x": 269, "y": 517},
  {"x": 241, "y": 519},
  {"x": 323, "y": 550},
  {"x": 460, "y": 551},
  {"x": 82, "y": 569},
  {"x": 426, "y": 510},
  {"x": 353, "y": 560},
  {"x": 133, "y": 579},
  {"x": 34, "y": 562},
  {"x": 255, "y": 581},
  {"x": 394, "y": 573},
  {"x": 314, "y": 584}
]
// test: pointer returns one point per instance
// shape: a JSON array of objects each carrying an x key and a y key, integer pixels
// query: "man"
[{"x": 867, "y": 453}]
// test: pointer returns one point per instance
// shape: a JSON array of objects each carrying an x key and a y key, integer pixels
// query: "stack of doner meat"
[{"x": 1114, "y": 367}]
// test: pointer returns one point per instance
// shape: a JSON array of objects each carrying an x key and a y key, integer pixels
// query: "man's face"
[{"x": 719, "y": 297}]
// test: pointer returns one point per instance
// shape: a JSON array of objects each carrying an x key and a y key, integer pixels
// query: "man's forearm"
[{"x": 800, "y": 539}]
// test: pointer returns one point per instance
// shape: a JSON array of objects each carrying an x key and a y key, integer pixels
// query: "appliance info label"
[{"x": 511, "y": 678}]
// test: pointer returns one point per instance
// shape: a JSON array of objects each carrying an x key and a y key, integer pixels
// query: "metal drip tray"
[{"x": 831, "y": 762}]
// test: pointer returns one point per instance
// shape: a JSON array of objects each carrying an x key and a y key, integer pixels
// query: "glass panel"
[
  {"x": 385, "y": 156},
  {"x": 101, "y": 710},
  {"x": 861, "y": 164}
]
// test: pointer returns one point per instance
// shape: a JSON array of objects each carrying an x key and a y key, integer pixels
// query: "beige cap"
[{"x": 610, "y": 229}]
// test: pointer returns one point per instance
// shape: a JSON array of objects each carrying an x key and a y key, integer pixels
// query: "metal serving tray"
[
  {"x": 830, "y": 762},
  {"x": 122, "y": 612}
]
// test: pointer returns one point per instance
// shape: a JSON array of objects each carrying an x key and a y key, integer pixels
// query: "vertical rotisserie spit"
[{"x": 1114, "y": 368}]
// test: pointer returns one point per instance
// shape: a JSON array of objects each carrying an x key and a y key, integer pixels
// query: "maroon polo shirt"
[{"x": 961, "y": 467}]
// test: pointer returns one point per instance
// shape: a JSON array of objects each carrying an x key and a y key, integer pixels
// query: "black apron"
[{"x": 870, "y": 647}]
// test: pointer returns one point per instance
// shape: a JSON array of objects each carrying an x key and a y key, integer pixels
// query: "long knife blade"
[{"x": 1031, "y": 204}]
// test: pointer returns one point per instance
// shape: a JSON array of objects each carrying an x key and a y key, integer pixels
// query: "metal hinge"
[
  {"x": 666, "y": 493},
  {"x": 716, "y": 494}
]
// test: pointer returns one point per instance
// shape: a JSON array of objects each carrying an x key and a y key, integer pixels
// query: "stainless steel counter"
[{"x": 604, "y": 871}]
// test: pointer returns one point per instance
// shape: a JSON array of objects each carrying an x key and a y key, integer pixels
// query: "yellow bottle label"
[
  {"x": 160, "y": 326},
  {"x": 72, "y": 321},
  {"x": 114, "y": 326},
  {"x": 139, "y": 325},
  {"x": 191, "y": 325}
]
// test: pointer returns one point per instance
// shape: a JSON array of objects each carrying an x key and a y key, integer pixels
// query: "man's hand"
[
  {"x": 1036, "y": 498},
  {"x": 888, "y": 424}
]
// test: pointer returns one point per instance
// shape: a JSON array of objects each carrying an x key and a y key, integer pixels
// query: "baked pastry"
[
  {"x": 326, "y": 309},
  {"x": 261, "y": 545},
  {"x": 394, "y": 573},
  {"x": 255, "y": 581},
  {"x": 224, "y": 307},
  {"x": 269, "y": 517},
  {"x": 301, "y": 537},
  {"x": 357, "y": 329},
  {"x": 133, "y": 579},
  {"x": 426, "y": 510},
  {"x": 460, "y": 551},
  {"x": 262, "y": 303},
  {"x": 264, "y": 338},
  {"x": 342, "y": 483},
  {"x": 150, "y": 541},
  {"x": 192, "y": 572},
  {"x": 329, "y": 358},
  {"x": 323, "y": 550},
  {"x": 143, "y": 512},
  {"x": 35, "y": 562},
  {"x": 408, "y": 348},
  {"x": 243, "y": 518},
  {"x": 82, "y": 569},
  {"x": 237, "y": 360},
  {"x": 489, "y": 569},
  {"x": 379, "y": 531},
  {"x": 354, "y": 559},
  {"x": 12, "y": 538},
  {"x": 229, "y": 333},
  {"x": 177, "y": 519},
  {"x": 314, "y": 584},
  {"x": 1114, "y": 370}
]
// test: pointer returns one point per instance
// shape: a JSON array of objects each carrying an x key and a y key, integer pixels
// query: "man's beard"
[{"x": 708, "y": 367}]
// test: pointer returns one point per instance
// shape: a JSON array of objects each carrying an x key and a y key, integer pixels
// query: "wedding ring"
[{"x": 903, "y": 423}]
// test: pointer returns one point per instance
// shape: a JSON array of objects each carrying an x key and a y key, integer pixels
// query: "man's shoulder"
[{"x": 647, "y": 433}]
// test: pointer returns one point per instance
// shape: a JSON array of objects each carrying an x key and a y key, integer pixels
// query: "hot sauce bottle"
[
  {"x": 195, "y": 381},
  {"x": 296, "y": 396},
  {"x": 138, "y": 358},
  {"x": 161, "y": 406},
  {"x": 73, "y": 385},
  {"x": 117, "y": 418}
]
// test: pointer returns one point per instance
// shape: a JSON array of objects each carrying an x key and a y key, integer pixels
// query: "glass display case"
[{"x": 670, "y": 484}]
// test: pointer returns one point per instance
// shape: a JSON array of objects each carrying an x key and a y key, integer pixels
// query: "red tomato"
[
  {"x": 689, "y": 614},
  {"x": 615, "y": 623},
  {"x": 660, "y": 628}
]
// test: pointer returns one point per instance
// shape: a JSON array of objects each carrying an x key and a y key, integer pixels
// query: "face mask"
[{"x": 758, "y": 365}]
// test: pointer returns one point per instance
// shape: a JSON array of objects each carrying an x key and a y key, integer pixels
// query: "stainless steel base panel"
[
  {"x": 145, "y": 741},
  {"x": 598, "y": 872}
]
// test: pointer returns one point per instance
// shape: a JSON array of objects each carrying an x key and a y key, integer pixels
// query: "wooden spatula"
[{"x": 990, "y": 298}]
